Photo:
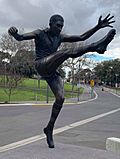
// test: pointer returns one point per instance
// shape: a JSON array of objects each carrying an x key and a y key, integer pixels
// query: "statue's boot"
[
  {"x": 49, "y": 128},
  {"x": 101, "y": 45},
  {"x": 49, "y": 137}
]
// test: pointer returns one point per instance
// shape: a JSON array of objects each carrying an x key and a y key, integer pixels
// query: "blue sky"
[{"x": 99, "y": 58}]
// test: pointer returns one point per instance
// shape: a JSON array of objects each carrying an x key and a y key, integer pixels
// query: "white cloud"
[
  {"x": 114, "y": 48},
  {"x": 80, "y": 16}
]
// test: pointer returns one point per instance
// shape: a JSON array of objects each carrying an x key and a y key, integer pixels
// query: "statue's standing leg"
[
  {"x": 48, "y": 66},
  {"x": 56, "y": 85}
]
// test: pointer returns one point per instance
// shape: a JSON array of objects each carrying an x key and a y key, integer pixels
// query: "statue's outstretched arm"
[
  {"x": 102, "y": 23},
  {"x": 13, "y": 31}
]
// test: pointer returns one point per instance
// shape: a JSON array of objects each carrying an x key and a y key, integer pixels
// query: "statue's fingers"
[
  {"x": 14, "y": 28},
  {"x": 10, "y": 30},
  {"x": 110, "y": 18},
  {"x": 112, "y": 22},
  {"x": 107, "y": 16},
  {"x": 110, "y": 26},
  {"x": 100, "y": 18}
]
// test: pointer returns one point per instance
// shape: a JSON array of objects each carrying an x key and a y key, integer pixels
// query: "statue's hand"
[
  {"x": 12, "y": 31},
  {"x": 105, "y": 22}
]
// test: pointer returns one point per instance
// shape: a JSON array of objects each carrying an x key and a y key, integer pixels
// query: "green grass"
[
  {"x": 28, "y": 91},
  {"x": 33, "y": 83}
]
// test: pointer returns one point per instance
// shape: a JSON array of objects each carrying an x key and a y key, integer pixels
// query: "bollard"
[{"x": 113, "y": 144}]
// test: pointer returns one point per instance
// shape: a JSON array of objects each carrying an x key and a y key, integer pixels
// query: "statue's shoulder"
[
  {"x": 38, "y": 31},
  {"x": 62, "y": 36},
  {"x": 42, "y": 31},
  {"x": 46, "y": 30}
]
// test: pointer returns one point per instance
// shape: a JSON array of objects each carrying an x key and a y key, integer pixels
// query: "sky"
[{"x": 79, "y": 15}]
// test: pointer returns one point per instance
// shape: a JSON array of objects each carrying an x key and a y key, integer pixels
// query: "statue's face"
[{"x": 56, "y": 27}]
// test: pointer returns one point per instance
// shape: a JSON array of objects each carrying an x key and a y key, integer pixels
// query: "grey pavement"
[
  {"x": 38, "y": 150},
  {"x": 83, "y": 142},
  {"x": 115, "y": 90},
  {"x": 86, "y": 95}
]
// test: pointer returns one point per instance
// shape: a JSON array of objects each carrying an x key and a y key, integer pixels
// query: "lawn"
[{"x": 29, "y": 91}]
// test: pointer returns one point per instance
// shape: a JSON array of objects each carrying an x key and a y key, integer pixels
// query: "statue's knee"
[{"x": 60, "y": 100}]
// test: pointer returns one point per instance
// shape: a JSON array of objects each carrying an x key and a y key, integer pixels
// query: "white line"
[
  {"x": 82, "y": 122},
  {"x": 110, "y": 91},
  {"x": 57, "y": 131},
  {"x": 115, "y": 94},
  {"x": 89, "y": 100},
  {"x": 12, "y": 105}
]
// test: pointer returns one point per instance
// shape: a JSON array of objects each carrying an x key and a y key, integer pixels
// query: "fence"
[{"x": 37, "y": 91}]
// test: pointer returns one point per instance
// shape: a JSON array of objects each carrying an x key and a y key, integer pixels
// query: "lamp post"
[
  {"x": 116, "y": 75},
  {"x": 5, "y": 74},
  {"x": 78, "y": 85},
  {"x": 111, "y": 68}
]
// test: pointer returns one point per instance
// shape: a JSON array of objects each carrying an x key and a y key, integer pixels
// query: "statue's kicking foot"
[
  {"x": 102, "y": 44},
  {"x": 49, "y": 137}
]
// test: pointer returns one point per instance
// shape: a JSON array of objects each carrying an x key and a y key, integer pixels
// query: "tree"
[
  {"x": 25, "y": 66},
  {"x": 12, "y": 80},
  {"x": 61, "y": 71},
  {"x": 107, "y": 71},
  {"x": 15, "y": 66},
  {"x": 75, "y": 65}
]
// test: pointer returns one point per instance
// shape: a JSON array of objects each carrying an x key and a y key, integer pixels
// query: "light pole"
[
  {"x": 78, "y": 85},
  {"x": 116, "y": 75},
  {"x": 5, "y": 75},
  {"x": 111, "y": 68}
]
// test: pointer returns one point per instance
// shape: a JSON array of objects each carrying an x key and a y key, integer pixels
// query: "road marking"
[
  {"x": 56, "y": 131},
  {"x": 14, "y": 105},
  {"x": 115, "y": 94}
]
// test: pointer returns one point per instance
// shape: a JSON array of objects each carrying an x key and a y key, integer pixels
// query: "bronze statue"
[{"x": 48, "y": 59}]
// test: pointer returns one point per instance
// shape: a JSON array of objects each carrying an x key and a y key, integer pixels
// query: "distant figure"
[{"x": 48, "y": 59}]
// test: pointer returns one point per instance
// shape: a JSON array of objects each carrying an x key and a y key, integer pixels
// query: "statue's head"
[
  {"x": 55, "y": 18},
  {"x": 56, "y": 23}
]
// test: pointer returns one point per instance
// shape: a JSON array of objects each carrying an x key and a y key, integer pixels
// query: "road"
[{"x": 20, "y": 122}]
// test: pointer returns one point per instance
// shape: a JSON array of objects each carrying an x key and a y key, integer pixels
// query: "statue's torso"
[{"x": 46, "y": 44}]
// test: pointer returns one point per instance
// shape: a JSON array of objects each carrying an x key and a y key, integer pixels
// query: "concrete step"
[{"x": 113, "y": 144}]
